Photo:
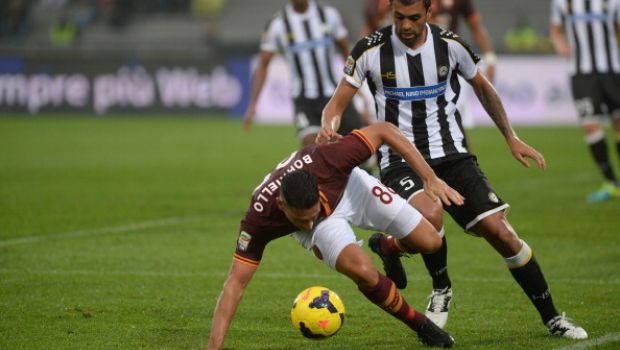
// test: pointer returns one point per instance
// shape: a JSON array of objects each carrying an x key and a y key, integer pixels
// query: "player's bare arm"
[
  {"x": 434, "y": 187},
  {"x": 238, "y": 278},
  {"x": 558, "y": 39},
  {"x": 330, "y": 121},
  {"x": 257, "y": 86},
  {"x": 493, "y": 106}
]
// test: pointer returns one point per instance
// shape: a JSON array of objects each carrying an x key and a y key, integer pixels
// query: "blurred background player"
[
  {"x": 376, "y": 16},
  {"x": 308, "y": 34},
  {"x": 447, "y": 15},
  {"x": 586, "y": 32}
]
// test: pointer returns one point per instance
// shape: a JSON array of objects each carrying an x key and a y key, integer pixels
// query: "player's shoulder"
[
  {"x": 453, "y": 39},
  {"x": 370, "y": 41},
  {"x": 437, "y": 31},
  {"x": 275, "y": 19}
]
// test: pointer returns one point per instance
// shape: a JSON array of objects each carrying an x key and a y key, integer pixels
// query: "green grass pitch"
[{"x": 117, "y": 233}]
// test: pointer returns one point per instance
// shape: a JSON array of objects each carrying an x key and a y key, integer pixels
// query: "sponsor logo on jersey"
[
  {"x": 349, "y": 65},
  {"x": 389, "y": 75},
  {"x": 415, "y": 93},
  {"x": 493, "y": 197},
  {"x": 244, "y": 241}
]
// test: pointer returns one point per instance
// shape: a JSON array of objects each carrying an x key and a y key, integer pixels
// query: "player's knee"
[
  {"x": 432, "y": 243},
  {"x": 365, "y": 275},
  {"x": 433, "y": 212},
  {"x": 423, "y": 239}
]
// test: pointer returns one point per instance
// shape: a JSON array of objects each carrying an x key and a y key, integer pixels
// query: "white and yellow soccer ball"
[{"x": 317, "y": 312}]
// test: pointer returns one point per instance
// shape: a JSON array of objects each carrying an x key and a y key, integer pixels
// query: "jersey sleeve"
[
  {"x": 339, "y": 30},
  {"x": 250, "y": 245},
  {"x": 355, "y": 67},
  {"x": 466, "y": 60},
  {"x": 269, "y": 39}
]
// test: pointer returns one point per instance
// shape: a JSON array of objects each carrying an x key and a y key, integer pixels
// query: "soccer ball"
[{"x": 317, "y": 313}]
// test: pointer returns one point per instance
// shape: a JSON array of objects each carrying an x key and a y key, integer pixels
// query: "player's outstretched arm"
[
  {"x": 238, "y": 279},
  {"x": 382, "y": 132},
  {"x": 330, "y": 121},
  {"x": 257, "y": 86},
  {"x": 493, "y": 105}
]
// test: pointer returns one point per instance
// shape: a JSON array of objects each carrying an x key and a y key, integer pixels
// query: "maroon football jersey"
[
  {"x": 331, "y": 164},
  {"x": 446, "y": 13}
]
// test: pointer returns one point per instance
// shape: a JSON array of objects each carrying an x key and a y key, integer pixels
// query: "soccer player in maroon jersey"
[{"x": 316, "y": 193}]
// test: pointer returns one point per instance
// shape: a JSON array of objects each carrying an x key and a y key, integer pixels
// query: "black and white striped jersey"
[
  {"x": 416, "y": 89},
  {"x": 591, "y": 28},
  {"x": 308, "y": 42}
]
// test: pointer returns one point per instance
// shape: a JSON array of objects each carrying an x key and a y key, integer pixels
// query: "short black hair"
[
  {"x": 427, "y": 3},
  {"x": 299, "y": 189}
]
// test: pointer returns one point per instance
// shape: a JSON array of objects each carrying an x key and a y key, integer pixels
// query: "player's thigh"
[
  {"x": 409, "y": 186},
  {"x": 330, "y": 237},
  {"x": 588, "y": 95},
  {"x": 375, "y": 206},
  {"x": 481, "y": 200}
]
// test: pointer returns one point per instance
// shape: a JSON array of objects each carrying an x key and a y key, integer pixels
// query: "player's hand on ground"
[
  {"x": 520, "y": 150},
  {"x": 327, "y": 135},
  {"x": 437, "y": 189}
]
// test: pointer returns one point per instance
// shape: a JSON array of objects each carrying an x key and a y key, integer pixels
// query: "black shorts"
[
  {"x": 596, "y": 95},
  {"x": 464, "y": 175},
  {"x": 308, "y": 112}
]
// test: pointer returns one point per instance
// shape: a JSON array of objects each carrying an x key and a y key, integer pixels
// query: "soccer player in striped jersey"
[
  {"x": 587, "y": 32},
  {"x": 315, "y": 194},
  {"x": 308, "y": 34},
  {"x": 412, "y": 70}
]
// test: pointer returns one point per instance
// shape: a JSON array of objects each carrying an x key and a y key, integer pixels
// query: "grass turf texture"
[{"x": 118, "y": 233}]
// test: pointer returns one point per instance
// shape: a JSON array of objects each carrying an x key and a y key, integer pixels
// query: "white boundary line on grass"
[
  {"x": 608, "y": 338},
  {"x": 136, "y": 226}
]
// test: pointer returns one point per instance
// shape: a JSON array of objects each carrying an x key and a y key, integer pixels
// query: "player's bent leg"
[
  {"x": 496, "y": 230},
  {"x": 381, "y": 291},
  {"x": 436, "y": 262},
  {"x": 525, "y": 269},
  {"x": 411, "y": 233}
]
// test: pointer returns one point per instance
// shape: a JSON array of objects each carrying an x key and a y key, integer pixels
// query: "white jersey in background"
[
  {"x": 590, "y": 27},
  {"x": 308, "y": 42}
]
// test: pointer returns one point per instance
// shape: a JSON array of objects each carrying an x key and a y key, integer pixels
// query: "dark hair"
[
  {"x": 427, "y": 3},
  {"x": 299, "y": 189}
]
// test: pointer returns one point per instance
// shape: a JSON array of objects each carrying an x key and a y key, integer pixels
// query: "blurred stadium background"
[
  {"x": 144, "y": 56},
  {"x": 124, "y": 171}
]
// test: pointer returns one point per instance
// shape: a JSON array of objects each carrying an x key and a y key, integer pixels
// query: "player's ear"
[{"x": 280, "y": 202}]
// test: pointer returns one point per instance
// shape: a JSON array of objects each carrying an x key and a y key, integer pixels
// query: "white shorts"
[{"x": 366, "y": 203}]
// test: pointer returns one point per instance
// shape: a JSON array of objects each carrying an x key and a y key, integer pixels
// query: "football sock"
[
  {"x": 391, "y": 246},
  {"x": 385, "y": 295},
  {"x": 526, "y": 271},
  {"x": 598, "y": 148},
  {"x": 437, "y": 265}
]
